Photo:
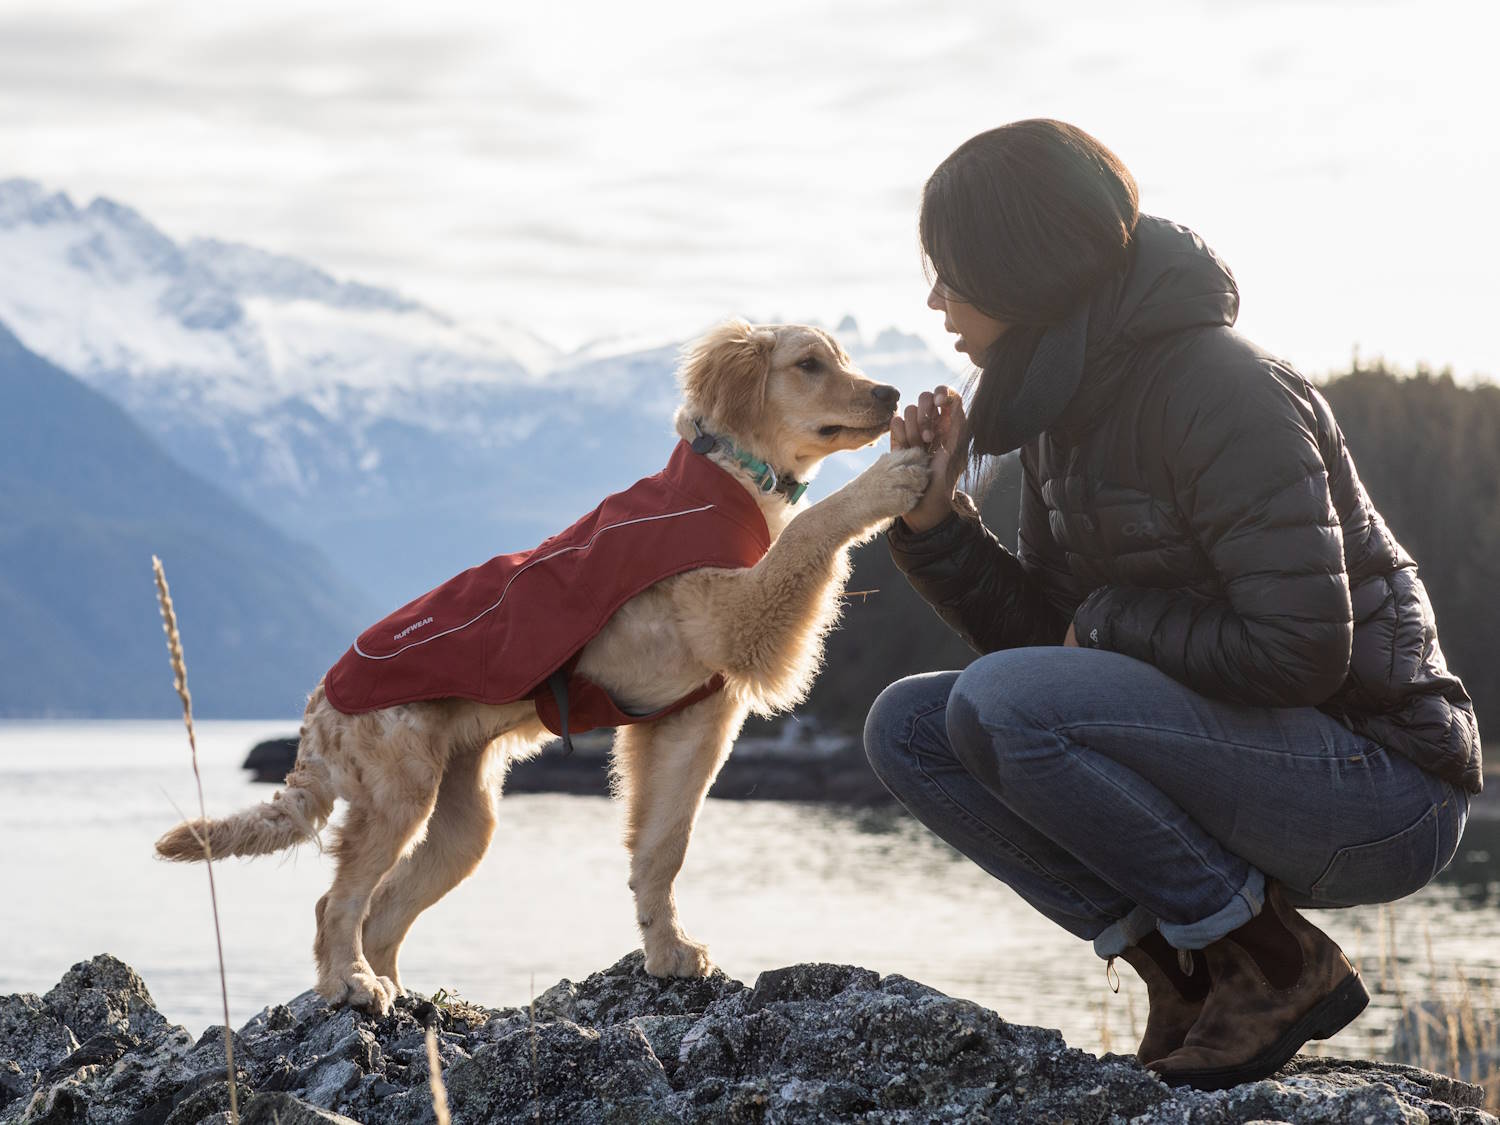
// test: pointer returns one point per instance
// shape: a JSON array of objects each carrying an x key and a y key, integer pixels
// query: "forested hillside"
[{"x": 1428, "y": 451}]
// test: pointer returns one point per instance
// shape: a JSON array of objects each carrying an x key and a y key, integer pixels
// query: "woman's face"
[{"x": 976, "y": 332}]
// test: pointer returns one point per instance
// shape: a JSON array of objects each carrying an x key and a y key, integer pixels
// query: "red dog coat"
[{"x": 499, "y": 631}]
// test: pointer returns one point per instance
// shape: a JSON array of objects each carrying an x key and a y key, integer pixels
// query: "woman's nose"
[{"x": 935, "y": 297}]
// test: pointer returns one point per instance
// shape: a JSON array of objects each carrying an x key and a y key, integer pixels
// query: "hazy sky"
[{"x": 601, "y": 168}]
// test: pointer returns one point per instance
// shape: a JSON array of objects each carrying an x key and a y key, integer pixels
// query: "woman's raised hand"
[{"x": 935, "y": 422}]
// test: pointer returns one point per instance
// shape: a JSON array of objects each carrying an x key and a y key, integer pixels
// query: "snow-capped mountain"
[{"x": 404, "y": 443}]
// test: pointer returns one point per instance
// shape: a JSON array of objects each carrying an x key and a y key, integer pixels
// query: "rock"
[
  {"x": 30, "y": 1036},
  {"x": 104, "y": 994},
  {"x": 271, "y": 760},
  {"x": 807, "y": 1043},
  {"x": 283, "y": 1109}
]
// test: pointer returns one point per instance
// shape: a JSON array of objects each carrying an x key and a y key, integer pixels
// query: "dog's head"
[{"x": 785, "y": 392}]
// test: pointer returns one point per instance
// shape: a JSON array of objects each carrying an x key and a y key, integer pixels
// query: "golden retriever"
[{"x": 421, "y": 780}]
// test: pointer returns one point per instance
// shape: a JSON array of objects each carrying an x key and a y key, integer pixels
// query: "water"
[{"x": 765, "y": 884}]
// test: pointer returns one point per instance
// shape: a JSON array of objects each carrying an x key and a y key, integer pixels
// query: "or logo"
[
  {"x": 413, "y": 627},
  {"x": 1094, "y": 635}
]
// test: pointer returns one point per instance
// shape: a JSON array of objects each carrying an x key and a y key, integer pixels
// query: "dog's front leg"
[
  {"x": 764, "y": 625},
  {"x": 663, "y": 770}
]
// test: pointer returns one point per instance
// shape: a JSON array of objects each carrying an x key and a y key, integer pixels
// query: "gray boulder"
[{"x": 807, "y": 1043}]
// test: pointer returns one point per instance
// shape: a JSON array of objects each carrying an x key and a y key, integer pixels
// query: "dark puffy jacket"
[{"x": 1195, "y": 507}]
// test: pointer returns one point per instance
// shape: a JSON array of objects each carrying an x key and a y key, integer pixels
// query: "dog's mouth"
[{"x": 867, "y": 432}]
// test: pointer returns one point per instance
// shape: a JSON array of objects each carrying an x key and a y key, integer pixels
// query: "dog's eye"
[{"x": 809, "y": 364}]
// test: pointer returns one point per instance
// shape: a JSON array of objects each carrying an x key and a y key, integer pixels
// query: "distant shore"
[
  {"x": 822, "y": 767},
  {"x": 784, "y": 767}
]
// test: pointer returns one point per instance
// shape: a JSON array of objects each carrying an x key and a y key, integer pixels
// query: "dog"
[{"x": 421, "y": 779}]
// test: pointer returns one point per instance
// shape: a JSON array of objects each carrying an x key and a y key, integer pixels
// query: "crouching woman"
[{"x": 1211, "y": 690}]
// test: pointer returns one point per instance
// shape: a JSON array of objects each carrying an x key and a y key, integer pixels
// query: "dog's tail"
[{"x": 294, "y": 815}]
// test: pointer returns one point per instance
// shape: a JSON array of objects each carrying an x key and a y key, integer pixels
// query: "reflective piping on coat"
[{"x": 523, "y": 570}]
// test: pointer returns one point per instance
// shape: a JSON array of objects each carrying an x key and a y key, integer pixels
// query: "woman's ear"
[{"x": 724, "y": 375}]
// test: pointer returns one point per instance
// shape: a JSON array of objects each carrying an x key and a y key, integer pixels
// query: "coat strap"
[{"x": 558, "y": 682}]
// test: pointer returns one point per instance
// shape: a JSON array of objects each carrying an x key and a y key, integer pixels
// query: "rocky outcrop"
[{"x": 808, "y": 1043}]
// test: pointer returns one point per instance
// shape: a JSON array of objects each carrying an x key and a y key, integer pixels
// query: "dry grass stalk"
[
  {"x": 536, "y": 1084},
  {"x": 1468, "y": 1023},
  {"x": 1384, "y": 954},
  {"x": 179, "y": 681},
  {"x": 1391, "y": 945},
  {"x": 435, "y": 1080},
  {"x": 1467, "y": 1035},
  {"x": 1489, "y": 1048}
]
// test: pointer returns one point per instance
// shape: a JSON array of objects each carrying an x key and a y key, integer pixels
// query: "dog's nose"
[{"x": 887, "y": 396}]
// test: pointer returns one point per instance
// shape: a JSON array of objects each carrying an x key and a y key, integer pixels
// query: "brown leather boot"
[
  {"x": 1176, "y": 984},
  {"x": 1278, "y": 981}
]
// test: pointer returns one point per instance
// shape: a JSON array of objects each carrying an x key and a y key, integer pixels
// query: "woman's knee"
[
  {"x": 892, "y": 725},
  {"x": 998, "y": 703}
]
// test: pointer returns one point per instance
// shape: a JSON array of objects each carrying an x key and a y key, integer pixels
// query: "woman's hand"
[{"x": 935, "y": 422}]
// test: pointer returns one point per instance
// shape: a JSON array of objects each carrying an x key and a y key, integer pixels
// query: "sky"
[{"x": 589, "y": 170}]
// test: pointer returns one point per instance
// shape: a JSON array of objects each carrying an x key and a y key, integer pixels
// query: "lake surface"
[{"x": 766, "y": 884}]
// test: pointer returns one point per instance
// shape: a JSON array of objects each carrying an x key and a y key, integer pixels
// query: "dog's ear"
[{"x": 724, "y": 374}]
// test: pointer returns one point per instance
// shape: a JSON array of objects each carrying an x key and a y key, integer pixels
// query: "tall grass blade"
[{"x": 179, "y": 682}]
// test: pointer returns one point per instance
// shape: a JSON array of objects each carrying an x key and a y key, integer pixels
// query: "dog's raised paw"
[
  {"x": 894, "y": 483},
  {"x": 681, "y": 958}
]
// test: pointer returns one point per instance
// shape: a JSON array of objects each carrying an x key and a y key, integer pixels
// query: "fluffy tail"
[{"x": 294, "y": 815}]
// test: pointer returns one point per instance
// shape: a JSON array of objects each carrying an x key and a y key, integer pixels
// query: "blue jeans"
[{"x": 1116, "y": 800}]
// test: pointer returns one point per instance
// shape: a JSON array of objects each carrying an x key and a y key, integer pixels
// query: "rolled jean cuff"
[
  {"x": 1245, "y": 905},
  {"x": 1120, "y": 935}
]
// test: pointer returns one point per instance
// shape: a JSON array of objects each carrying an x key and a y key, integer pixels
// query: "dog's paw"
[
  {"x": 358, "y": 987},
  {"x": 892, "y": 486},
  {"x": 678, "y": 958},
  {"x": 369, "y": 993}
]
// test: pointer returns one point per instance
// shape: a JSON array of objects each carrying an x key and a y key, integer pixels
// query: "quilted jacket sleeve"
[
  {"x": 1249, "y": 476},
  {"x": 986, "y": 594}
]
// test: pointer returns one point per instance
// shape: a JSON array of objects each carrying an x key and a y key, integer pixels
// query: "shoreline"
[{"x": 821, "y": 768}]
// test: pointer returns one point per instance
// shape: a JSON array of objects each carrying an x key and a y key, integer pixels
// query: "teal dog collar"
[{"x": 765, "y": 477}]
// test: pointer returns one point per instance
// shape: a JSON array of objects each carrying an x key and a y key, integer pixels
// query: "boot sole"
[{"x": 1324, "y": 1020}]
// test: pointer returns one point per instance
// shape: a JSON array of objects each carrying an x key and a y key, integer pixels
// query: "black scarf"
[{"x": 1046, "y": 387}]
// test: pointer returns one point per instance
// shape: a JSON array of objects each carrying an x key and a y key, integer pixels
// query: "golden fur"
[{"x": 421, "y": 780}]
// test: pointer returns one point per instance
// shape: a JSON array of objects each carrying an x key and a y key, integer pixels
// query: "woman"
[{"x": 1212, "y": 690}]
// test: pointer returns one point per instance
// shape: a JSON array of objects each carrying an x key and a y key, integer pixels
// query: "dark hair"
[{"x": 1023, "y": 222}]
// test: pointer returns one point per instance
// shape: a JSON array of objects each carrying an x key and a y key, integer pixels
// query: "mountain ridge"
[
  {"x": 405, "y": 444},
  {"x": 85, "y": 499}
]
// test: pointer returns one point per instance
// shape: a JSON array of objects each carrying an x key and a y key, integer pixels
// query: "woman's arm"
[
  {"x": 1249, "y": 476},
  {"x": 977, "y": 586},
  {"x": 983, "y": 592}
]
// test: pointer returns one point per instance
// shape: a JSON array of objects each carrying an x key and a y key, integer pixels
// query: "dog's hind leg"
[
  {"x": 663, "y": 770},
  {"x": 458, "y": 834},
  {"x": 391, "y": 796}
]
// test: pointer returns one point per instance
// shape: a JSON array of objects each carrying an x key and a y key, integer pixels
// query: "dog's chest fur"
[{"x": 661, "y": 644}]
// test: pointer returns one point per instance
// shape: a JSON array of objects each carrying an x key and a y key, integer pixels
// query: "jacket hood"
[{"x": 1171, "y": 281}]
